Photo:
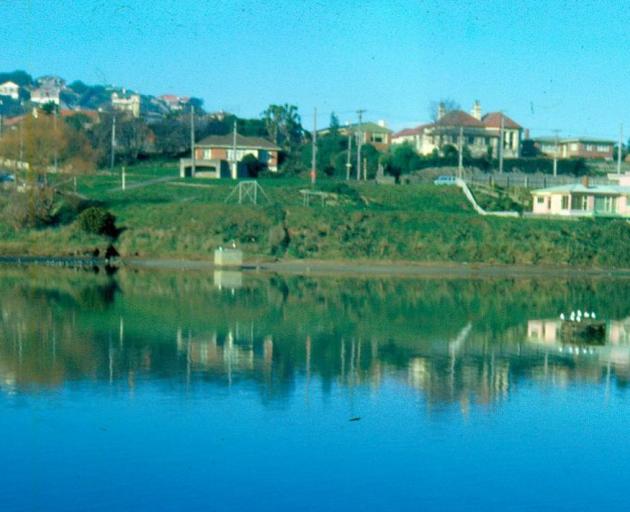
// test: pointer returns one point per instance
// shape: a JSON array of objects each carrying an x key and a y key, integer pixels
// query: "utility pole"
[
  {"x": 365, "y": 169},
  {"x": 619, "y": 149},
  {"x": 234, "y": 159},
  {"x": 348, "y": 164},
  {"x": 359, "y": 142},
  {"x": 56, "y": 156},
  {"x": 501, "y": 136},
  {"x": 193, "y": 163},
  {"x": 314, "y": 149},
  {"x": 124, "y": 178},
  {"x": 460, "y": 144},
  {"x": 556, "y": 150},
  {"x": 113, "y": 153}
]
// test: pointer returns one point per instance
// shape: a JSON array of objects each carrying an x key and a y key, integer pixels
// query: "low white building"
[{"x": 10, "y": 89}]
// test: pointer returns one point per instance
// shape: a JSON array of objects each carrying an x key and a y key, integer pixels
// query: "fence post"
[{"x": 525, "y": 182}]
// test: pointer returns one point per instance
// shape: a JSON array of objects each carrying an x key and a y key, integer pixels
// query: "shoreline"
[{"x": 332, "y": 267}]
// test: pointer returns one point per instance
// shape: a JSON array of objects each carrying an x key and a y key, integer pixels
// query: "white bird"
[
  {"x": 593, "y": 315},
  {"x": 561, "y": 316},
  {"x": 579, "y": 313},
  {"x": 586, "y": 314},
  {"x": 572, "y": 317}
]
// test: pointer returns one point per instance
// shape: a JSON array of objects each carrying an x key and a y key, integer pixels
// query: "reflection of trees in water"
[{"x": 455, "y": 340}]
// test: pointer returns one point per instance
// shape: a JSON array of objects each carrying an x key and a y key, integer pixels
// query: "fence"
[{"x": 532, "y": 181}]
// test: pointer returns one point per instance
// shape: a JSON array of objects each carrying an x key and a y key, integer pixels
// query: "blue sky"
[{"x": 548, "y": 64}]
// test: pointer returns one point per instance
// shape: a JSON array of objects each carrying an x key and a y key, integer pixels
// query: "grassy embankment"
[{"x": 424, "y": 223}]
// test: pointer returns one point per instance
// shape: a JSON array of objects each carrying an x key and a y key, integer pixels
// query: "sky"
[{"x": 549, "y": 65}]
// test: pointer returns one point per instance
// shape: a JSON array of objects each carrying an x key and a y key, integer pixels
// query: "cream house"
[
  {"x": 480, "y": 133},
  {"x": 584, "y": 200}
]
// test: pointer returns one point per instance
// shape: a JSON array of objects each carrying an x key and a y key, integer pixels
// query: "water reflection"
[{"x": 454, "y": 341}]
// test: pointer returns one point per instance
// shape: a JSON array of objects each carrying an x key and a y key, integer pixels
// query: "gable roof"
[
  {"x": 410, "y": 131},
  {"x": 459, "y": 118},
  {"x": 242, "y": 141},
  {"x": 493, "y": 120},
  {"x": 9, "y": 83}
]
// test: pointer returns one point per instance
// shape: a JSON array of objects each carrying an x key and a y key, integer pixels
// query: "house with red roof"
[{"x": 481, "y": 135}]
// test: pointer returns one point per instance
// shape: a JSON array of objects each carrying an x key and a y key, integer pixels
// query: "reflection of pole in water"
[
  {"x": 121, "y": 332},
  {"x": 308, "y": 365}
]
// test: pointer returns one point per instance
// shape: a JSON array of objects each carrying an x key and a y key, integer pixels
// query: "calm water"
[{"x": 187, "y": 391}]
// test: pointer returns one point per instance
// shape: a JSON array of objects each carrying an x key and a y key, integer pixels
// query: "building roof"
[
  {"x": 9, "y": 83},
  {"x": 579, "y": 188},
  {"x": 458, "y": 118},
  {"x": 226, "y": 141},
  {"x": 593, "y": 140},
  {"x": 493, "y": 120},
  {"x": 410, "y": 131}
]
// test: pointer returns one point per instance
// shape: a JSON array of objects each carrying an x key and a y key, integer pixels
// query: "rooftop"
[
  {"x": 579, "y": 188},
  {"x": 459, "y": 118},
  {"x": 242, "y": 141},
  {"x": 493, "y": 120}
]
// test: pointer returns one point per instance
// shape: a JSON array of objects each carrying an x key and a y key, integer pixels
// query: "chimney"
[
  {"x": 441, "y": 111},
  {"x": 526, "y": 133},
  {"x": 585, "y": 181},
  {"x": 476, "y": 110},
  {"x": 382, "y": 123}
]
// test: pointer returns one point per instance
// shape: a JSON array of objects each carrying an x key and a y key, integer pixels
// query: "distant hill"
[{"x": 78, "y": 95}]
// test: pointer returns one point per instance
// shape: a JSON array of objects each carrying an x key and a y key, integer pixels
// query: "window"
[
  {"x": 471, "y": 140},
  {"x": 579, "y": 202},
  {"x": 609, "y": 204},
  {"x": 589, "y": 147},
  {"x": 565, "y": 202},
  {"x": 603, "y": 148},
  {"x": 573, "y": 146},
  {"x": 377, "y": 137},
  {"x": 540, "y": 199}
]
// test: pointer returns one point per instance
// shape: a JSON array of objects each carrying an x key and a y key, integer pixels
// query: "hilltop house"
[
  {"x": 125, "y": 101},
  {"x": 215, "y": 156},
  {"x": 584, "y": 200},
  {"x": 173, "y": 102},
  {"x": 376, "y": 134},
  {"x": 578, "y": 147},
  {"x": 480, "y": 134},
  {"x": 10, "y": 89}
]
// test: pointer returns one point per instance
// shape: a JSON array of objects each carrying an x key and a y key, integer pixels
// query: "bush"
[
  {"x": 31, "y": 208},
  {"x": 98, "y": 221}
]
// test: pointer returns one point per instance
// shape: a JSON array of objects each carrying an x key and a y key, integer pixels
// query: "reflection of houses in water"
[
  {"x": 615, "y": 349},
  {"x": 229, "y": 352}
]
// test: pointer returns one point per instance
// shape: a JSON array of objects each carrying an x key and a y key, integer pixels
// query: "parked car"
[{"x": 445, "y": 180}]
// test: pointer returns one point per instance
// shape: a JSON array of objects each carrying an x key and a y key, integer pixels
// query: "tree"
[
  {"x": 447, "y": 104},
  {"x": 284, "y": 126},
  {"x": 402, "y": 159},
  {"x": 334, "y": 125}
]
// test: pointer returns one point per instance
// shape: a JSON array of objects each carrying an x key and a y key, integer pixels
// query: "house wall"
[
  {"x": 11, "y": 90},
  {"x": 269, "y": 157}
]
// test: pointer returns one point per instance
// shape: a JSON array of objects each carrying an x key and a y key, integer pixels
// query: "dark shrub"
[{"x": 97, "y": 221}]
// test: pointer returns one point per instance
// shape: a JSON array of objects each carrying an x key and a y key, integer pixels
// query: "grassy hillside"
[{"x": 188, "y": 219}]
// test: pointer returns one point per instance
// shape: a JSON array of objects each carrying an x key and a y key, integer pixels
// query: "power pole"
[
  {"x": 113, "y": 153},
  {"x": 556, "y": 150},
  {"x": 501, "y": 136},
  {"x": 619, "y": 149},
  {"x": 234, "y": 159},
  {"x": 460, "y": 144},
  {"x": 193, "y": 162},
  {"x": 56, "y": 156},
  {"x": 359, "y": 142},
  {"x": 314, "y": 149},
  {"x": 348, "y": 164}
]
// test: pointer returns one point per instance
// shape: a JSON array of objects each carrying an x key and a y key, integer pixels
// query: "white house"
[
  {"x": 584, "y": 200},
  {"x": 126, "y": 102},
  {"x": 10, "y": 89}
]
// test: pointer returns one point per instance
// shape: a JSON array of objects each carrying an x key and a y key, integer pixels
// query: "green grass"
[{"x": 189, "y": 218}]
